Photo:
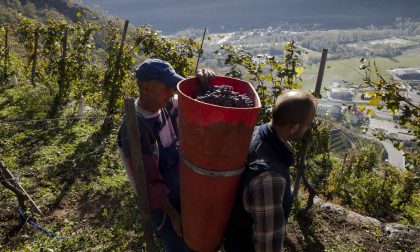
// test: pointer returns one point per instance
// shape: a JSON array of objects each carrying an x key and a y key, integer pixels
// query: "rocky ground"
[
  {"x": 329, "y": 227},
  {"x": 325, "y": 227}
]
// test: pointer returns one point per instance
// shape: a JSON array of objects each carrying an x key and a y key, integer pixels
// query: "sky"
[{"x": 218, "y": 15}]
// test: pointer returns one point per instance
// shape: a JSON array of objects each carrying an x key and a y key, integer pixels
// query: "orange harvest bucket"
[{"x": 214, "y": 144}]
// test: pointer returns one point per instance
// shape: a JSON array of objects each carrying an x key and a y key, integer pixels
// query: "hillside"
[
  {"x": 104, "y": 219},
  {"x": 59, "y": 124},
  {"x": 41, "y": 10},
  {"x": 330, "y": 227},
  {"x": 373, "y": 41},
  {"x": 227, "y": 16}
]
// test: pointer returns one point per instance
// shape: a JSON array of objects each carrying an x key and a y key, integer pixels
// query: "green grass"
[{"x": 348, "y": 69}]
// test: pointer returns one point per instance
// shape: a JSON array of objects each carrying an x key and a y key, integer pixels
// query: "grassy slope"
[
  {"x": 348, "y": 69},
  {"x": 75, "y": 176},
  {"x": 73, "y": 172}
]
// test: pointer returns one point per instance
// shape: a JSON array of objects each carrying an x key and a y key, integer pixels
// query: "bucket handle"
[{"x": 208, "y": 173}]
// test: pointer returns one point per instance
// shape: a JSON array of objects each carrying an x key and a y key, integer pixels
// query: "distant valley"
[{"x": 224, "y": 16}]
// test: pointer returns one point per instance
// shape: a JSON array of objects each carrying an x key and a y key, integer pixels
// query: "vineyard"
[{"x": 62, "y": 87}]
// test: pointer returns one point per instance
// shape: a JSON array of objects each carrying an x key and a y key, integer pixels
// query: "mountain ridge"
[{"x": 219, "y": 15}]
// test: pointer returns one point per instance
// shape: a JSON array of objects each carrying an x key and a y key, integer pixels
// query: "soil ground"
[{"x": 316, "y": 230}]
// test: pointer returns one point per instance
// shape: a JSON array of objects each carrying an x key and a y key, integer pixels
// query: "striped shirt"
[{"x": 159, "y": 185}]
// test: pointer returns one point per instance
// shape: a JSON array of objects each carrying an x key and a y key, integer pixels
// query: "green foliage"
[
  {"x": 78, "y": 73},
  {"x": 25, "y": 31},
  {"x": 6, "y": 69},
  {"x": 81, "y": 73},
  {"x": 319, "y": 160},
  {"x": 387, "y": 94},
  {"x": 270, "y": 77},
  {"x": 52, "y": 41},
  {"x": 179, "y": 53},
  {"x": 24, "y": 102},
  {"x": 352, "y": 167},
  {"x": 68, "y": 77},
  {"x": 377, "y": 194},
  {"x": 377, "y": 189}
]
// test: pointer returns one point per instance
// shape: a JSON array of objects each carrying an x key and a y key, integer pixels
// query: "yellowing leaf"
[
  {"x": 362, "y": 107},
  {"x": 298, "y": 71},
  {"x": 375, "y": 101}
]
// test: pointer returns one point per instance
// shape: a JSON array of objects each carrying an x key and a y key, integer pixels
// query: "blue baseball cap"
[{"x": 156, "y": 69}]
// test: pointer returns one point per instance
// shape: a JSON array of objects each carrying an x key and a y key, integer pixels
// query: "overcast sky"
[{"x": 173, "y": 15}]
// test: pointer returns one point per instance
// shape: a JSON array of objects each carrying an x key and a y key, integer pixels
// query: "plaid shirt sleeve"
[{"x": 263, "y": 201}]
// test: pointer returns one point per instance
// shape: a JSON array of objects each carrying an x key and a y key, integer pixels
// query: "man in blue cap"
[{"x": 157, "y": 111}]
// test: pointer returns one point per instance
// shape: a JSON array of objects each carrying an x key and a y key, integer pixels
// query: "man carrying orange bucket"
[{"x": 157, "y": 112}]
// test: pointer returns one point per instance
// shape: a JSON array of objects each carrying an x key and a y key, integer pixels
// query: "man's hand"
[{"x": 205, "y": 76}]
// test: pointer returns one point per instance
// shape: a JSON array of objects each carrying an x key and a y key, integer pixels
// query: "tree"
[
  {"x": 30, "y": 10},
  {"x": 386, "y": 94}
]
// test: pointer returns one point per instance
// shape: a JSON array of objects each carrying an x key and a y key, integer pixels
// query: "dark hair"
[{"x": 293, "y": 106}]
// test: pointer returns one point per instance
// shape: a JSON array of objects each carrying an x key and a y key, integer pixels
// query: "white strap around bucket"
[{"x": 208, "y": 173}]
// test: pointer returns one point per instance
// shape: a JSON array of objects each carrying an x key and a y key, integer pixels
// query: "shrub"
[{"x": 377, "y": 189}]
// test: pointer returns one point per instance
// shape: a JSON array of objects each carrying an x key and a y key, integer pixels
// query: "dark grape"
[{"x": 223, "y": 95}]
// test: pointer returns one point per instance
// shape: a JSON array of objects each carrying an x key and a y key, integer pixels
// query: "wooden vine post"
[
  {"x": 138, "y": 172},
  {"x": 34, "y": 57},
  {"x": 8, "y": 181},
  {"x": 6, "y": 53},
  {"x": 201, "y": 49},
  {"x": 113, "y": 94},
  {"x": 306, "y": 141},
  {"x": 117, "y": 71},
  {"x": 62, "y": 71},
  {"x": 62, "y": 80},
  {"x": 321, "y": 72}
]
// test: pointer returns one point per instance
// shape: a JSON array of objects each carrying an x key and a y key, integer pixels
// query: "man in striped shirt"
[
  {"x": 264, "y": 200},
  {"x": 157, "y": 112}
]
